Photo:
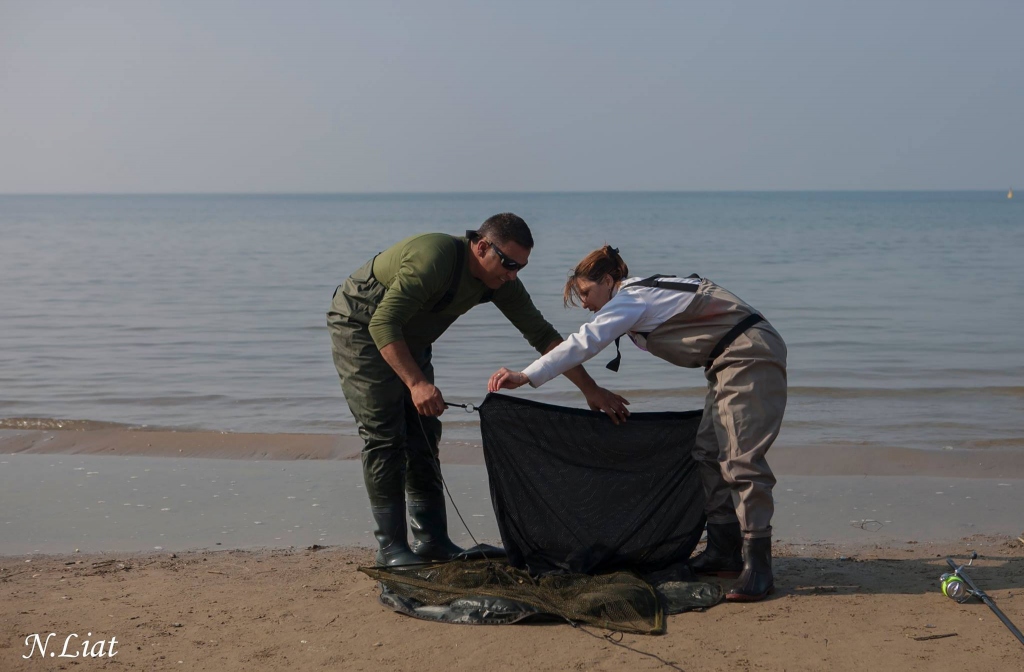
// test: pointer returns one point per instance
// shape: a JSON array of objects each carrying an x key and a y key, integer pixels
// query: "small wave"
[
  {"x": 168, "y": 400},
  {"x": 56, "y": 423},
  {"x": 1012, "y": 442},
  {"x": 830, "y": 392},
  {"x": 667, "y": 393},
  {"x": 902, "y": 393}
]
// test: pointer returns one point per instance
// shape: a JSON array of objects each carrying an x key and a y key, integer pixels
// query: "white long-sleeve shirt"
[{"x": 632, "y": 310}]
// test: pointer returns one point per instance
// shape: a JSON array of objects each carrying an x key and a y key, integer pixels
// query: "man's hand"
[
  {"x": 427, "y": 399},
  {"x": 506, "y": 379},
  {"x": 600, "y": 399}
]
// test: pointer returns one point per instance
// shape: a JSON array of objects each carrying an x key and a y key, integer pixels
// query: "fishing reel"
[
  {"x": 954, "y": 587},
  {"x": 953, "y": 584},
  {"x": 958, "y": 586}
]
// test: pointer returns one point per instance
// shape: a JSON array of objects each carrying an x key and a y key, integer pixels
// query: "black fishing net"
[
  {"x": 591, "y": 514},
  {"x": 574, "y": 492}
]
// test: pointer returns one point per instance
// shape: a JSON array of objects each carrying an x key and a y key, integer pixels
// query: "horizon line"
[{"x": 492, "y": 193}]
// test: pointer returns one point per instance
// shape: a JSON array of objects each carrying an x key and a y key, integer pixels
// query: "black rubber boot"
[
  {"x": 722, "y": 557},
  {"x": 429, "y": 521},
  {"x": 391, "y": 536},
  {"x": 756, "y": 580}
]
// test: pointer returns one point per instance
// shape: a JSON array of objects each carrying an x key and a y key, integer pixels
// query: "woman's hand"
[
  {"x": 600, "y": 399},
  {"x": 505, "y": 379}
]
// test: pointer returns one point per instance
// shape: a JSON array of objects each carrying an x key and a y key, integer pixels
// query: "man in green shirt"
[{"x": 382, "y": 321}]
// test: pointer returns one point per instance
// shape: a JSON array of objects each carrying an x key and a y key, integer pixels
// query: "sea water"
[{"x": 902, "y": 311}]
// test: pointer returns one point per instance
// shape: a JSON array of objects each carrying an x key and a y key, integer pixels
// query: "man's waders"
[{"x": 400, "y": 454}]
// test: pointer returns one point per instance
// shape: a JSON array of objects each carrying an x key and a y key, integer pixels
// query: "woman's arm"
[
  {"x": 616, "y": 318},
  {"x": 612, "y": 321},
  {"x": 598, "y": 398}
]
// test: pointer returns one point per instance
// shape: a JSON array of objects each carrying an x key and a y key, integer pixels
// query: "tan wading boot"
[
  {"x": 391, "y": 536},
  {"x": 756, "y": 581},
  {"x": 722, "y": 556},
  {"x": 429, "y": 521}
]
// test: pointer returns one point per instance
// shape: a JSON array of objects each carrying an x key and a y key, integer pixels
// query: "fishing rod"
[{"x": 958, "y": 586}]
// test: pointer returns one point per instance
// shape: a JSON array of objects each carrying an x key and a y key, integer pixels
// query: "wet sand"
[
  {"x": 59, "y": 503},
  {"x": 833, "y": 459}
]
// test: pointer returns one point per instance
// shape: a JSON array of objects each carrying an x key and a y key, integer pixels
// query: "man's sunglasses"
[{"x": 506, "y": 262}]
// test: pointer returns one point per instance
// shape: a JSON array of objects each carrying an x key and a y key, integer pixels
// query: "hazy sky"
[{"x": 293, "y": 96}]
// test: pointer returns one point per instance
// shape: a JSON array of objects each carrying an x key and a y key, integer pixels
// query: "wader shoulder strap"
[
  {"x": 652, "y": 282},
  {"x": 453, "y": 286},
  {"x": 614, "y": 364},
  {"x": 730, "y": 336}
]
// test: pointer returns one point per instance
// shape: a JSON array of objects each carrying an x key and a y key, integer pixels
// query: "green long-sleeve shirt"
[{"x": 418, "y": 271}]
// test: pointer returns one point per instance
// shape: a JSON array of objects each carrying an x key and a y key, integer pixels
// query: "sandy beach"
[
  {"x": 839, "y": 605},
  {"x": 302, "y": 609}
]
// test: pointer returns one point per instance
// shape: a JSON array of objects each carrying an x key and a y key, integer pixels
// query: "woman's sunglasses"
[{"x": 506, "y": 262}]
